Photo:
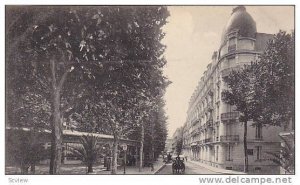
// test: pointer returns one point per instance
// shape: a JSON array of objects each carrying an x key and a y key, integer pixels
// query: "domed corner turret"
[{"x": 240, "y": 22}]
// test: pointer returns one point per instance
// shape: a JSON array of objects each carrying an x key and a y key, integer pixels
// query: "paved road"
[{"x": 190, "y": 168}]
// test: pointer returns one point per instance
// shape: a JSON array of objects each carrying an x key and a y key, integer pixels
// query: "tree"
[
  {"x": 276, "y": 79},
  {"x": 178, "y": 148},
  {"x": 160, "y": 130},
  {"x": 88, "y": 151},
  {"x": 242, "y": 94},
  {"x": 54, "y": 42},
  {"x": 133, "y": 80},
  {"x": 71, "y": 53}
]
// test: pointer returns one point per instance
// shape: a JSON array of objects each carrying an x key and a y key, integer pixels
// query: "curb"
[
  {"x": 221, "y": 171},
  {"x": 159, "y": 169}
]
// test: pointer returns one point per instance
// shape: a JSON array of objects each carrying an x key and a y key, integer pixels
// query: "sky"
[{"x": 192, "y": 34}]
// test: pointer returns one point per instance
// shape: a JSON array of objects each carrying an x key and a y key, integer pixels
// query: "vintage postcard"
[{"x": 150, "y": 90}]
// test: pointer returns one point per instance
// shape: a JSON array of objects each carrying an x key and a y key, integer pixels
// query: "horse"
[{"x": 178, "y": 166}]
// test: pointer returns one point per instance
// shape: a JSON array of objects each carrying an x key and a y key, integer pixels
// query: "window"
[
  {"x": 218, "y": 110},
  {"x": 250, "y": 151},
  {"x": 258, "y": 132},
  {"x": 231, "y": 45},
  {"x": 217, "y": 153},
  {"x": 217, "y": 133},
  {"x": 229, "y": 153},
  {"x": 258, "y": 152}
]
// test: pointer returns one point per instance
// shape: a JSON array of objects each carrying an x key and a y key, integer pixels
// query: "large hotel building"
[{"x": 212, "y": 133}]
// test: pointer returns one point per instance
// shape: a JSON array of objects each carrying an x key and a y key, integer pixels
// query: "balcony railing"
[
  {"x": 200, "y": 142},
  {"x": 195, "y": 132},
  {"x": 194, "y": 144},
  {"x": 229, "y": 116},
  {"x": 207, "y": 140},
  {"x": 226, "y": 70},
  {"x": 229, "y": 138}
]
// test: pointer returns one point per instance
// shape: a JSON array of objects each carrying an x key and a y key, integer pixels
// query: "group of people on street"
[{"x": 169, "y": 158}]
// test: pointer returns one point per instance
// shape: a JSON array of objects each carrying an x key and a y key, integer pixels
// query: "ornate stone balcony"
[
  {"x": 201, "y": 142},
  {"x": 207, "y": 140},
  {"x": 229, "y": 138},
  {"x": 230, "y": 116}
]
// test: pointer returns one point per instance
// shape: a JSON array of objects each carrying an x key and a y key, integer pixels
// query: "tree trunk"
[
  {"x": 152, "y": 147},
  {"x": 141, "y": 148},
  {"x": 52, "y": 169},
  {"x": 90, "y": 167},
  {"x": 24, "y": 168},
  {"x": 56, "y": 140},
  {"x": 245, "y": 148},
  {"x": 32, "y": 168},
  {"x": 56, "y": 136},
  {"x": 115, "y": 156}
]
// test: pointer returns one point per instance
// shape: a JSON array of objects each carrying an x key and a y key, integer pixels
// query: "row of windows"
[{"x": 256, "y": 152}]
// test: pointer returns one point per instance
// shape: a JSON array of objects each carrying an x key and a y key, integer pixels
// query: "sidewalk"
[
  {"x": 80, "y": 169},
  {"x": 134, "y": 170},
  {"x": 217, "y": 170}
]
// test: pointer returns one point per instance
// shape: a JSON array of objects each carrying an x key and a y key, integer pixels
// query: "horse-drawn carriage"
[{"x": 178, "y": 165}]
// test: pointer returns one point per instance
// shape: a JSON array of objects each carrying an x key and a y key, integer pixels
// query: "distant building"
[{"x": 212, "y": 133}]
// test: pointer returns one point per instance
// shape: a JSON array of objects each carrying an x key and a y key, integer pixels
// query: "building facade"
[{"x": 212, "y": 133}]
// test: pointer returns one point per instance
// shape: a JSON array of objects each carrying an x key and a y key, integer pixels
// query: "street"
[{"x": 190, "y": 169}]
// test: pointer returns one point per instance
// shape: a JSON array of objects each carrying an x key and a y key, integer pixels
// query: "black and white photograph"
[{"x": 149, "y": 90}]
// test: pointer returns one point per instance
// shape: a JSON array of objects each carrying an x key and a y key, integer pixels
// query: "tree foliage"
[
  {"x": 96, "y": 68},
  {"x": 276, "y": 79},
  {"x": 25, "y": 149}
]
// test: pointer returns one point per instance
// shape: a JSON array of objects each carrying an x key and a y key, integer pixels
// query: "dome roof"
[{"x": 242, "y": 21}]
